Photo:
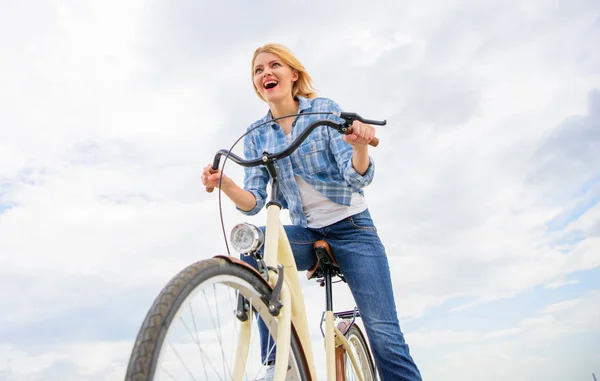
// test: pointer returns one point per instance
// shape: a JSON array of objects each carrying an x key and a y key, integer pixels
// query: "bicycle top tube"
[{"x": 267, "y": 158}]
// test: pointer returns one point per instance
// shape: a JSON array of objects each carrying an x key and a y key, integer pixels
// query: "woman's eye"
[
  {"x": 276, "y": 64},
  {"x": 257, "y": 71}
]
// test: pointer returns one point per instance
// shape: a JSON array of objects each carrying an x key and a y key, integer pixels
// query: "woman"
[{"x": 321, "y": 185}]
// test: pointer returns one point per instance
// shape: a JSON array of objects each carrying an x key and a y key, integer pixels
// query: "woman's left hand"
[{"x": 361, "y": 135}]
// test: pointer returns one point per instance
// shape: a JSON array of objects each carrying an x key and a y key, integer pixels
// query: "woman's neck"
[{"x": 286, "y": 106}]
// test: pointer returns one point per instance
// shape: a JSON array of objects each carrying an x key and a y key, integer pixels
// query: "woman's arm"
[
  {"x": 351, "y": 152},
  {"x": 360, "y": 159},
  {"x": 243, "y": 199}
]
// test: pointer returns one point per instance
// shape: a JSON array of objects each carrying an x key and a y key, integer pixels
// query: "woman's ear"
[{"x": 295, "y": 75}]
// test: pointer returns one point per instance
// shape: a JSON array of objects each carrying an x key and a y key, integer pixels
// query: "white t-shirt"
[{"x": 321, "y": 211}]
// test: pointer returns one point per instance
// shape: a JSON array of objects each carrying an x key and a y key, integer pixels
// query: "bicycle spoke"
[
  {"x": 219, "y": 328},
  {"x": 202, "y": 355},
  {"x": 169, "y": 374},
  {"x": 360, "y": 351},
  {"x": 270, "y": 349},
  {"x": 225, "y": 365},
  {"x": 181, "y": 360},
  {"x": 235, "y": 324}
]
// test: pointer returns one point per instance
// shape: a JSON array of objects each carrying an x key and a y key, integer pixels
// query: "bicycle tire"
[
  {"x": 356, "y": 336},
  {"x": 146, "y": 350}
]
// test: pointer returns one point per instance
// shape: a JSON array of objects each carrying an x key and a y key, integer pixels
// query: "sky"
[{"x": 486, "y": 191}]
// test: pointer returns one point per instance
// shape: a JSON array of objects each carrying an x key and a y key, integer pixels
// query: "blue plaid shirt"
[{"x": 323, "y": 160}]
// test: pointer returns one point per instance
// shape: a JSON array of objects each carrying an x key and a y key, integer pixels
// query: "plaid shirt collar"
[{"x": 304, "y": 105}]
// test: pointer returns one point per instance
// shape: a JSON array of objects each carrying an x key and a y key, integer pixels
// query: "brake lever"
[{"x": 350, "y": 117}]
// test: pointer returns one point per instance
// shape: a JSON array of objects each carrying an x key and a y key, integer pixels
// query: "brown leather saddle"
[{"x": 326, "y": 262}]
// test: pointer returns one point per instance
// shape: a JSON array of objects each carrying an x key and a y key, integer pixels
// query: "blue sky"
[
  {"x": 486, "y": 191},
  {"x": 4, "y": 204},
  {"x": 587, "y": 198},
  {"x": 4, "y": 207}
]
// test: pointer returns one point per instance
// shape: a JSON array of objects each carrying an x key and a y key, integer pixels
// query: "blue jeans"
[{"x": 361, "y": 256}]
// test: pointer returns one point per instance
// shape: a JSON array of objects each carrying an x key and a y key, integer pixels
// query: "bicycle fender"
[{"x": 239, "y": 262}]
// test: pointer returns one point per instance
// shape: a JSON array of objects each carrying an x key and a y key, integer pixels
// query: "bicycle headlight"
[{"x": 246, "y": 238}]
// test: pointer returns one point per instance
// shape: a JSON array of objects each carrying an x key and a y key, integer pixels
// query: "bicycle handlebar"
[{"x": 344, "y": 128}]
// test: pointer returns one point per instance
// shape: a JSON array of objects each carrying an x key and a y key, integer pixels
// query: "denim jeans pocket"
[{"x": 362, "y": 221}]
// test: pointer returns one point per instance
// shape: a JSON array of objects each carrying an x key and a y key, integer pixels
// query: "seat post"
[{"x": 328, "y": 289}]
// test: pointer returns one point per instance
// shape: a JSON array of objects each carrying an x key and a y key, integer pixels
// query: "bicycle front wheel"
[
  {"x": 360, "y": 349},
  {"x": 191, "y": 332}
]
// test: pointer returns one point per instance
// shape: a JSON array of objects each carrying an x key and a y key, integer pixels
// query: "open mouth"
[{"x": 270, "y": 85}]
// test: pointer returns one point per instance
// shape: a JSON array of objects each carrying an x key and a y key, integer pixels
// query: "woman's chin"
[{"x": 273, "y": 98}]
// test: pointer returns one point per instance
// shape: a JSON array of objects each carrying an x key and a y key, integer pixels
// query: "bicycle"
[{"x": 272, "y": 292}]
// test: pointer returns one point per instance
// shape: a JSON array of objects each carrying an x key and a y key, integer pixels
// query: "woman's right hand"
[{"x": 210, "y": 178}]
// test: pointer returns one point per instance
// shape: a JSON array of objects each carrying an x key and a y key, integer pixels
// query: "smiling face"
[{"x": 273, "y": 78}]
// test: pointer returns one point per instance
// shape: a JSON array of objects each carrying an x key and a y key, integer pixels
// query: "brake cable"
[{"x": 231, "y": 149}]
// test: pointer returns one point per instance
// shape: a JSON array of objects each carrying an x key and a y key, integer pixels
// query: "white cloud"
[
  {"x": 526, "y": 351},
  {"x": 110, "y": 111},
  {"x": 561, "y": 284},
  {"x": 92, "y": 360}
]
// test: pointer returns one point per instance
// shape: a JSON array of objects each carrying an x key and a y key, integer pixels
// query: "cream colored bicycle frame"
[{"x": 278, "y": 251}]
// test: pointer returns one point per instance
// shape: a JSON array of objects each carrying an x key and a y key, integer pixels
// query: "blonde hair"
[{"x": 303, "y": 86}]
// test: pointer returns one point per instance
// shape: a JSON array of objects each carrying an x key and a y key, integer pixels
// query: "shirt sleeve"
[
  {"x": 255, "y": 178},
  {"x": 342, "y": 152}
]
